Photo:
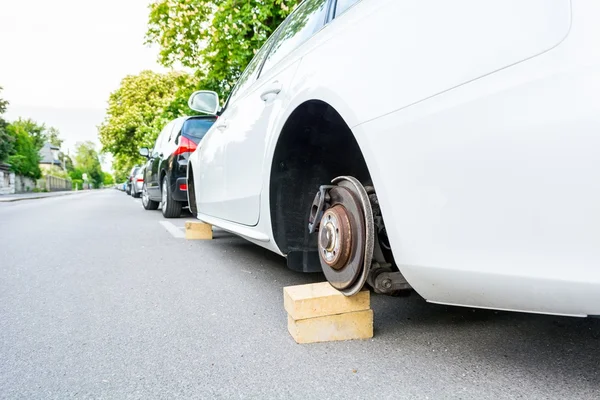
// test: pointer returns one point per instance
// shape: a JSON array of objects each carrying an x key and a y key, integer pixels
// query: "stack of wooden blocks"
[{"x": 319, "y": 313}]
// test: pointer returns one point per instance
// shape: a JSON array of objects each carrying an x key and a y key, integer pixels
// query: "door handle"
[
  {"x": 271, "y": 90},
  {"x": 222, "y": 125}
]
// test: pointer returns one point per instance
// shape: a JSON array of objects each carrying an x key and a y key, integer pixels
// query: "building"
[{"x": 49, "y": 160}]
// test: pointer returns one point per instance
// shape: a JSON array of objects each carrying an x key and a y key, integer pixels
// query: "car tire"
[
  {"x": 170, "y": 208},
  {"x": 146, "y": 202},
  {"x": 192, "y": 206}
]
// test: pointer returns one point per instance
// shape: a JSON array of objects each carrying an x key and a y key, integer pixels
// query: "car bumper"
[
  {"x": 178, "y": 193},
  {"x": 137, "y": 187}
]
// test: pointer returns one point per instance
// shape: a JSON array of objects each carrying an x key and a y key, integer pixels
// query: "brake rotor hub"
[
  {"x": 346, "y": 232},
  {"x": 335, "y": 237}
]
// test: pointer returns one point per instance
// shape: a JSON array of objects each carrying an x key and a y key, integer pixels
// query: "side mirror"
[
  {"x": 144, "y": 152},
  {"x": 204, "y": 101}
]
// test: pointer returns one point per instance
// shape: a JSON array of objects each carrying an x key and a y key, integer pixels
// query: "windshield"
[{"x": 196, "y": 128}]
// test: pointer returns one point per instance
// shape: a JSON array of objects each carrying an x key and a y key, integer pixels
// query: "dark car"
[{"x": 166, "y": 169}]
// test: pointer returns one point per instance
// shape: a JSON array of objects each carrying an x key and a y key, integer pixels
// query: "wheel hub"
[
  {"x": 335, "y": 237},
  {"x": 346, "y": 231}
]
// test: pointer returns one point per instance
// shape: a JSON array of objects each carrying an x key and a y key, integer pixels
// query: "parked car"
[
  {"x": 454, "y": 152},
  {"x": 130, "y": 178},
  {"x": 165, "y": 175},
  {"x": 137, "y": 182}
]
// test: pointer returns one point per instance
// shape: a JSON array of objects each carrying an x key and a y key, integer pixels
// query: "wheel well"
[
  {"x": 163, "y": 173},
  {"x": 191, "y": 190},
  {"x": 315, "y": 146}
]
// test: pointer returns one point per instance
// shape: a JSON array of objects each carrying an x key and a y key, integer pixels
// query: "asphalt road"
[{"x": 99, "y": 300}]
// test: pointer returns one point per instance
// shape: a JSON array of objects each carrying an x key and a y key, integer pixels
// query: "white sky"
[{"x": 60, "y": 59}]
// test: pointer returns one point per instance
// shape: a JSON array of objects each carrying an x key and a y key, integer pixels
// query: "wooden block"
[
  {"x": 321, "y": 299},
  {"x": 347, "y": 326},
  {"x": 198, "y": 230}
]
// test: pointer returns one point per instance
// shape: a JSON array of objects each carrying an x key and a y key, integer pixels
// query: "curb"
[{"x": 11, "y": 200}]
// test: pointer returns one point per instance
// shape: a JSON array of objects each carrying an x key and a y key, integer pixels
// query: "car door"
[
  {"x": 247, "y": 122},
  {"x": 153, "y": 173},
  {"x": 209, "y": 175}
]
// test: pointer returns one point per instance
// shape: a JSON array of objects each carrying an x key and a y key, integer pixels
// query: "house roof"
[{"x": 46, "y": 156}]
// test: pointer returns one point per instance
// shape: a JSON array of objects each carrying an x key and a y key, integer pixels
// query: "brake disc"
[{"x": 346, "y": 236}]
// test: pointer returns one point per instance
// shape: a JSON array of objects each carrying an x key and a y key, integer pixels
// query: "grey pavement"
[{"x": 98, "y": 300}]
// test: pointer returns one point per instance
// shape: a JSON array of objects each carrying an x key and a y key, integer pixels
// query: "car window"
[
  {"x": 342, "y": 5},
  {"x": 251, "y": 72},
  {"x": 161, "y": 139},
  {"x": 196, "y": 128},
  {"x": 177, "y": 124},
  {"x": 307, "y": 19}
]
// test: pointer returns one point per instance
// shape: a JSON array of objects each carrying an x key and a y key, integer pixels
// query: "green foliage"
[
  {"x": 122, "y": 167},
  {"x": 76, "y": 173},
  {"x": 77, "y": 184},
  {"x": 108, "y": 180},
  {"x": 66, "y": 160},
  {"x": 53, "y": 136},
  {"x": 6, "y": 140},
  {"x": 216, "y": 38},
  {"x": 55, "y": 171},
  {"x": 88, "y": 162},
  {"x": 36, "y": 131},
  {"x": 25, "y": 160},
  {"x": 139, "y": 109},
  {"x": 3, "y": 103}
]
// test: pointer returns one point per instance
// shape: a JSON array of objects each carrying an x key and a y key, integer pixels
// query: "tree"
[
  {"x": 25, "y": 159},
  {"x": 53, "y": 136},
  {"x": 108, "y": 180},
  {"x": 139, "y": 109},
  {"x": 88, "y": 162},
  {"x": 6, "y": 140},
  {"x": 216, "y": 38},
  {"x": 3, "y": 103},
  {"x": 66, "y": 160},
  {"x": 35, "y": 130}
]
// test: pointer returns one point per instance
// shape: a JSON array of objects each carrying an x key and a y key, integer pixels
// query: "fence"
[{"x": 54, "y": 184}]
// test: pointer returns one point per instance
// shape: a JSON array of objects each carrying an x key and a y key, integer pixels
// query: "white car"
[
  {"x": 137, "y": 182},
  {"x": 470, "y": 128}
]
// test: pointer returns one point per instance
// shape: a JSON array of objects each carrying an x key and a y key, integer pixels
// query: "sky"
[{"x": 60, "y": 59}]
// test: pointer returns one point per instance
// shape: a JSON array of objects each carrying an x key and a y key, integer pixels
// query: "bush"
[
  {"x": 77, "y": 183},
  {"x": 26, "y": 159}
]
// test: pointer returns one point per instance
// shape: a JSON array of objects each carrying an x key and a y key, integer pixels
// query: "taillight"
[
  {"x": 183, "y": 186},
  {"x": 140, "y": 179},
  {"x": 185, "y": 146}
]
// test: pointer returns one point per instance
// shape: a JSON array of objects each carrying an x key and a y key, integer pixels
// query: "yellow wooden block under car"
[
  {"x": 347, "y": 326},
  {"x": 319, "y": 313},
  {"x": 198, "y": 230},
  {"x": 320, "y": 299}
]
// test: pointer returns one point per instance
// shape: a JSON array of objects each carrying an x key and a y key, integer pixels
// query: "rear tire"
[
  {"x": 191, "y": 193},
  {"x": 146, "y": 202},
  {"x": 170, "y": 208}
]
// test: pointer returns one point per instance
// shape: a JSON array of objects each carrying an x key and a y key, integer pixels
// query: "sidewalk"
[{"x": 4, "y": 198}]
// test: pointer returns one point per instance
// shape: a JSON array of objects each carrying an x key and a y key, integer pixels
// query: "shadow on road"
[{"x": 564, "y": 348}]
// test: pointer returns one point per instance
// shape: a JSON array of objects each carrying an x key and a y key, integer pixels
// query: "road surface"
[{"x": 98, "y": 299}]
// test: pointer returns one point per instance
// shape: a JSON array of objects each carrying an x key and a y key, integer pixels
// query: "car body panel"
[{"x": 480, "y": 132}]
